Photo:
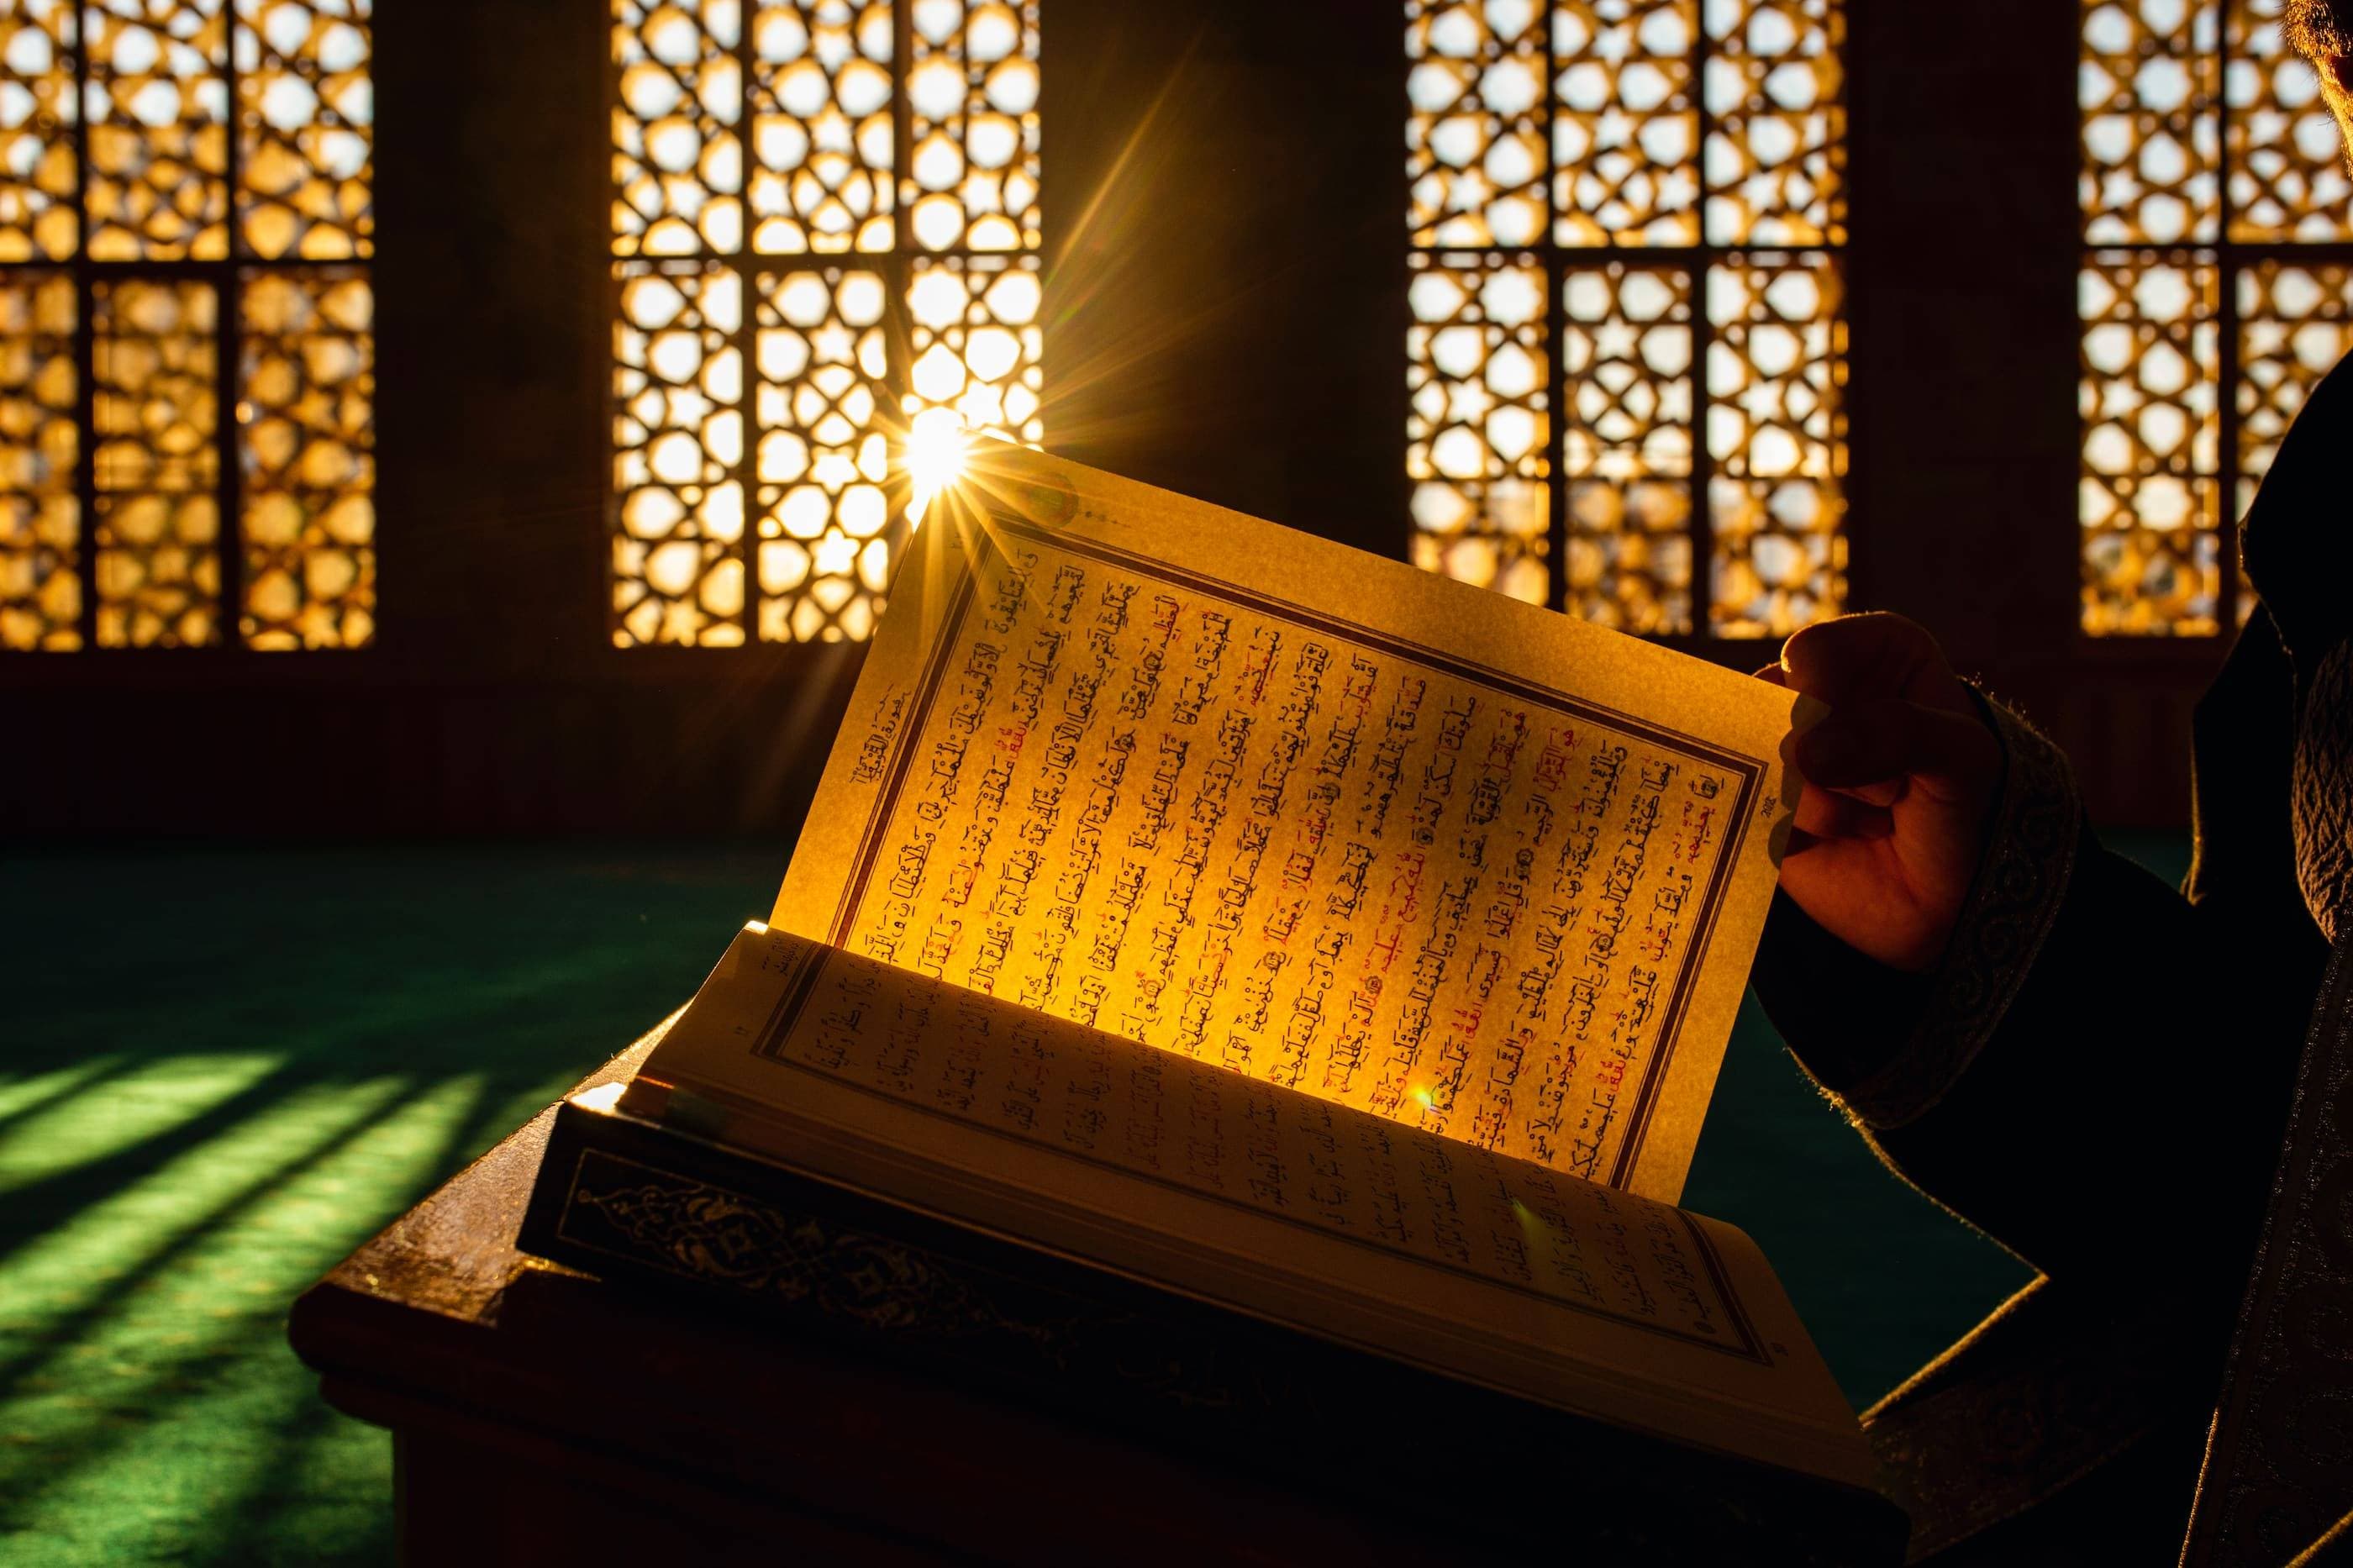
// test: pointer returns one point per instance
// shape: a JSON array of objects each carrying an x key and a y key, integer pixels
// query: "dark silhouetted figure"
[{"x": 2145, "y": 1094}]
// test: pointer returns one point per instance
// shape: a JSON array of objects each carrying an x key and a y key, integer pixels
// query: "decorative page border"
[{"x": 1750, "y": 771}]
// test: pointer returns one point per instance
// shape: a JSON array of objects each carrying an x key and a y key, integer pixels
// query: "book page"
[
  {"x": 1309, "y": 815},
  {"x": 1276, "y": 1202}
]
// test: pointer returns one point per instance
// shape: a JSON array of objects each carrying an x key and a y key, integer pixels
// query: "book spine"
[
  {"x": 627, "y": 1199},
  {"x": 621, "y": 1197}
]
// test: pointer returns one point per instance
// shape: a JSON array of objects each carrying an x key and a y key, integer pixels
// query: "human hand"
[{"x": 1900, "y": 778}]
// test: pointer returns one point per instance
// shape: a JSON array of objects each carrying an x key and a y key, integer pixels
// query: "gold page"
[
  {"x": 1306, "y": 814},
  {"x": 1274, "y": 1201}
]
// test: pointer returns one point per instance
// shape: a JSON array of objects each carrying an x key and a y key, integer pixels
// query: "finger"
[
  {"x": 1824, "y": 813},
  {"x": 1858, "y": 656},
  {"x": 1883, "y": 794},
  {"x": 1868, "y": 743},
  {"x": 1832, "y": 850},
  {"x": 1772, "y": 675}
]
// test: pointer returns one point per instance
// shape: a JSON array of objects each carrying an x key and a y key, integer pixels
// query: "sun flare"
[{"x": 936, "y": 452}]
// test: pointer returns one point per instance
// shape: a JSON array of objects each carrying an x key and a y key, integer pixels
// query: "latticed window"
[
  {"x": 186, "y": 353},
  {"x": 1628, "y": 350},
  {"x": 2215, "y": 291},
  {"x": 824, "y": 233}
]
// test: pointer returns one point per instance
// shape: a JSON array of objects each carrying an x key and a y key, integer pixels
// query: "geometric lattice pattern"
[
  {"x": 1564, "y": 447},
  {"x": 205, "y": 168},
  {"x": 158, "y": 112},
  {"x": 1477, "y": 373},
  {"x": 155, "y": 362},
  {"x": 678, "y": 142},
  {"x": 825, "y": 522},
  {"x": 2286, "y": 158},
  {"x": 2148, "y": 83},
  {"x": 1777, "y": 139},
  {"x": 1475, "y": 125},
  {"x": 678, "y": 450},
  {"x": 1776, "y": 442},
  {"x": 40, "y": 532},
  {"x": 821, "y": 137},
  {"x": 976, "y": 342},
  {"x": 307, "y": 131},
  {"x": 308, "y": 384},
  {"x": 971, "y": 178},
  {"x": 760, "y": 390},
  {"x": 2151, "y": 481},
  {"x": 2295, "y": 321},
  {"x": 2200, "y": 128},
  {"x": 38, "y": 219},
  {"x": 1627, "y": 445},
  {"x": 1625, "y": 122}
]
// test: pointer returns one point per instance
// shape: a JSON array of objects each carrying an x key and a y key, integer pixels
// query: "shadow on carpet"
[{"x": 225, "y": 1069}]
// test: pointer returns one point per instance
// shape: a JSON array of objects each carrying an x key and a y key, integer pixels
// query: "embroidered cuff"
[{"x": 2029, "y": 855}]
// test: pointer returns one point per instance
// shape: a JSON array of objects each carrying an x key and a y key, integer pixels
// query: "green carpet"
[{"x": 221, "y": 1069}]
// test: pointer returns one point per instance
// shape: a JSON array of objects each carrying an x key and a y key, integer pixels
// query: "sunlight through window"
[
  {"x": 792, "y": 295},
  {"x": 1627, "y": 355},
  {"x": 2212, "y": 175},
  {"x": 185, "y": 218}
]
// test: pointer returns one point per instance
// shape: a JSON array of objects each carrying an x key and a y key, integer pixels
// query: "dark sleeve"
[{"x": 2099, "y": 1060}]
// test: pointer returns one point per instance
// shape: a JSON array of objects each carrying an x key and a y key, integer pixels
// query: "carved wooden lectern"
[{"x": 542, "y": 1416}]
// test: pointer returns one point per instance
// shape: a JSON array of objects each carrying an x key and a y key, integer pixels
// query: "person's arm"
[
  {"x": 2081, "y": 1047},
  {"x": 1891, "y": 1039}
]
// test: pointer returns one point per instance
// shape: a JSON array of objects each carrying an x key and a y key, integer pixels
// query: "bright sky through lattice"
[
  {"x": 2199, "y": 127},
  {"x": 791, "y": 183},
  {"x": 936, "y": 451},
  {"x": 159, "y": 127},
  {"x": 1552, "y": 149}
]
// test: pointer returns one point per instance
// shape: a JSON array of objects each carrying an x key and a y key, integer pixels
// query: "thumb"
[{"x": 1952, "y": 754}]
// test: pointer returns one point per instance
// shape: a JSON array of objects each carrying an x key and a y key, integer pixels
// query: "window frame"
[
  {"x": 1695, "y": 262},
  {"x": 897, "y": 267},
  {"x": 226, "y": 276},
  {"x": 2229, "y": 260}
]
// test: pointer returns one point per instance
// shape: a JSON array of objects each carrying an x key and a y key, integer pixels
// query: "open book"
[{"x": 1208, "y": 936}]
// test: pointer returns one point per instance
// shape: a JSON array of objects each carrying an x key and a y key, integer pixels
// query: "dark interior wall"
[
  {"x": 1962, "y": 276},
  {"x": 491, "y": 279},
  {"x": 1226, "y": 316},
  {"x": 1224, "y": 205}
]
